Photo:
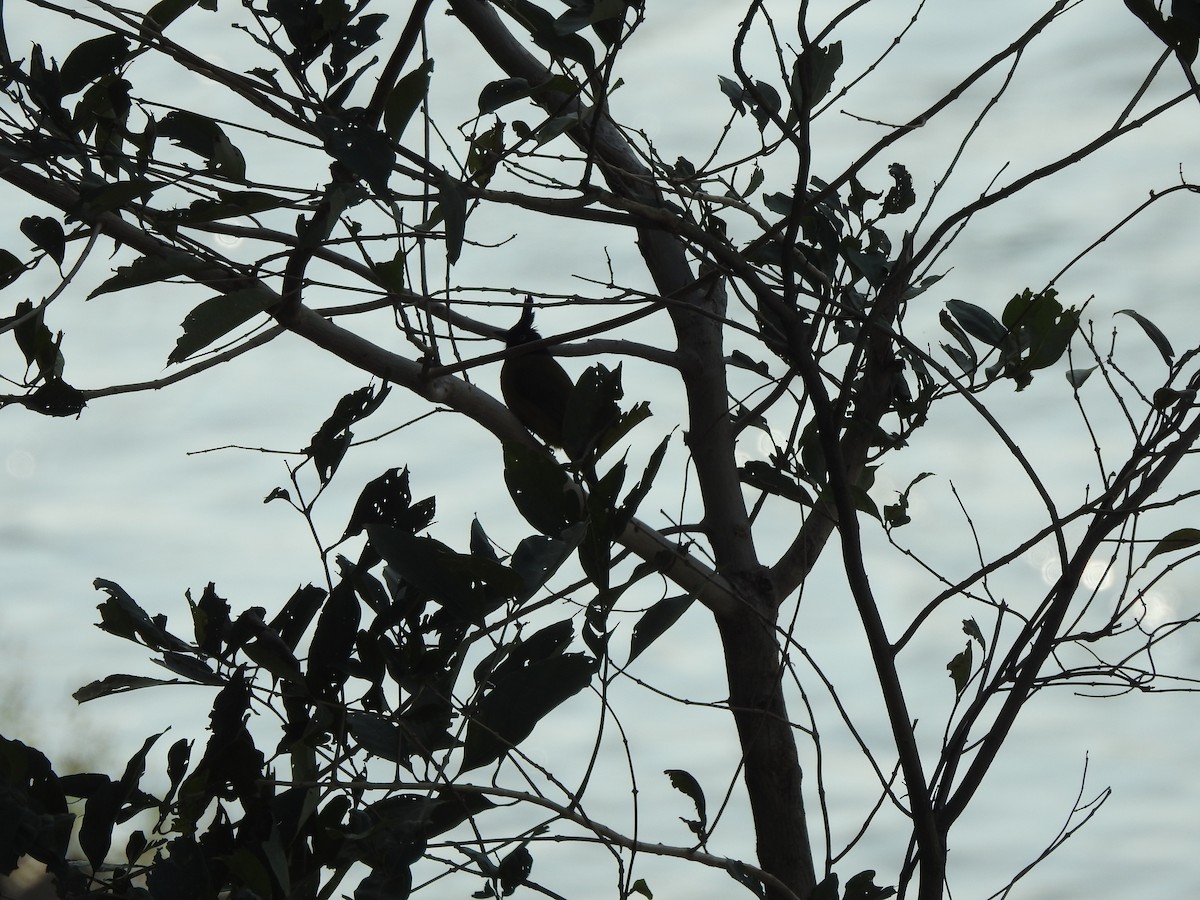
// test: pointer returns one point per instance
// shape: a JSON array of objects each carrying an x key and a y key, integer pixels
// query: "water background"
[{"x": 122, "y": 494}]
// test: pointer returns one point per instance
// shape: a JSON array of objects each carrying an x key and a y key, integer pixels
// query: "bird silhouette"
[{"x": 533, "y": 384}]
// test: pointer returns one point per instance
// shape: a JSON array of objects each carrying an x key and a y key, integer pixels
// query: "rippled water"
[{"x": 117, "y": 495}]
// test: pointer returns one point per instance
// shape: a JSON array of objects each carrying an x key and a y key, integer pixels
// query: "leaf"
[
  {"x": 638, "y": 492},
  {"x": 11, "y": 268},
  {"x": 120, "y": 615},
  {"x": 766, "y": 477},
  {"x": 584, "y": 14},
  {"x": 496, "y": 94},
  {"x": 118, "y": 684},
  {"x": 216, "y": 317},
  {"x": 333, "y": 642},
  {"x": 453, "y": 204},
  {"x": 92, "y": 60},
  {"x": 228, "y": 205},
  {"x": 109, "y": 804},
  {"x": 36, "y": 342},
  {"x": 511, "y": 710},
  {"x": 96, "y": 196},
  {"x": 862, "y": 887},
  {"x": 514, "y": 869},
  {"x": 330, "y": 442},
  {"x": 405, "y": 99},
  {"x": 767, "y": 103},
  {"x": 149, "y": 270},
  {"x": 735, "y": 92},
  {"x": 971, "y": 629},
  {"x": 432, "y": 567},
  {"x": 742, "y": 361},
  {"x": 901, "y": 195},
  {"x": 387, "y": 500},
  {"x": 540, "y": 490},
  {"x": 822, "y": 64},
  {"x": 1076, "y": 377},
  {"x": 356, "y": 143},
  {"x": 978, "y": 322},
  {"x": 191, "y": 668},
  {"x": 536, "y": 559},
  {"x": 204, "y": 137},
  {"x": 1179, "y": 539},
  {"x": 542, "y": 28},
  {"x": 47, "y": 235},
  {"x": 164, "y": 13},
  {"x": 1153, "y": 332},
  {"x": 55, "y": 398},
  {"x": 1151, "y": 18},
  {"x": 960, "y": 669},
  {"x": 655, "y": 621},
  {"x": 686, "y": 784}
]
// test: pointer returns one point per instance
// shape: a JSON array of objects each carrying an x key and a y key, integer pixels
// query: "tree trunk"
[{"x": 771, "y": 766}]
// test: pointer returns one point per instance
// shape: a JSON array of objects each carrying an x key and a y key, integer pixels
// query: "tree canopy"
[{"x": 708, "y": 385}]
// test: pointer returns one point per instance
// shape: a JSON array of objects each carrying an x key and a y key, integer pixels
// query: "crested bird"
[{"x": 534, "y": 385}]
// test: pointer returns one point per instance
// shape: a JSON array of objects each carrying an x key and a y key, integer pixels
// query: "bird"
[{"x": 534, "y": 385}]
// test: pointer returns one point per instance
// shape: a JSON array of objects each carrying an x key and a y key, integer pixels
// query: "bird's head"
[{"x": 523, "y": 332}]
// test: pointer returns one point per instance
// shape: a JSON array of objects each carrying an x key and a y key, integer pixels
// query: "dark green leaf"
[
  {"x": 164, "y": 13},
  {"x": 120, "y": 615},
  {"x": 592, "y": 409},
  {"x": 47, "y": 235},
  {"x": 1153, "y": 332},
  {"x": 387, "y": 500},
  {"x": 541, "y": 26},
  {"x": 766, "y": 103},
  {"x": 55, "y": 398},
  {"x": 149, "y": 270},
  {"x": 742, "y": 361},
  {"x": 541, "y": 491},
  {"x": 766, "y": 477},
  {"x": 862, "y": 887},
  {"x": 536, "y": 559},
  {"x": 36, "y": 341},
  {"x": 639, "y": 491},
  {"x": 510, "y": 711},
  {"x": 228, "y": 205},
  {"x": 432, "y": 567},
  {"x": 735, "y": 92},
  {"x": 405, "y": 99},
  {"x": 118, "y": 684},
  {"x": 453, "y": 204},
  {"x": 376, "y": 734},
  {"x": 92, "y": 60},
  {"x": 640, "y": 887},
  {"x": 216, "y": 317},
  {"x": 353, "y": 140},
  {"x": 514, "y": 869},
  {"x": 496, "y": 94},
  {"x": 655, "y": 621},
  {"x": 11, "y": 268},
  {"x": 333, "y": 642},
  {"x": 960, "y": 669},
  {"x": 978, "y": 322},
  {"x": 686, "y": 784},
  {"x": 204, "y": 137},
  {"x": 901, "y": 196},
  {"x": 1179, "y": 539},
  {"x": 971, "y": 629},
  {"x": 96, "y": 196},
  {"x": 191, "y": 668},
  {"x": 823, "y": 64}
]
